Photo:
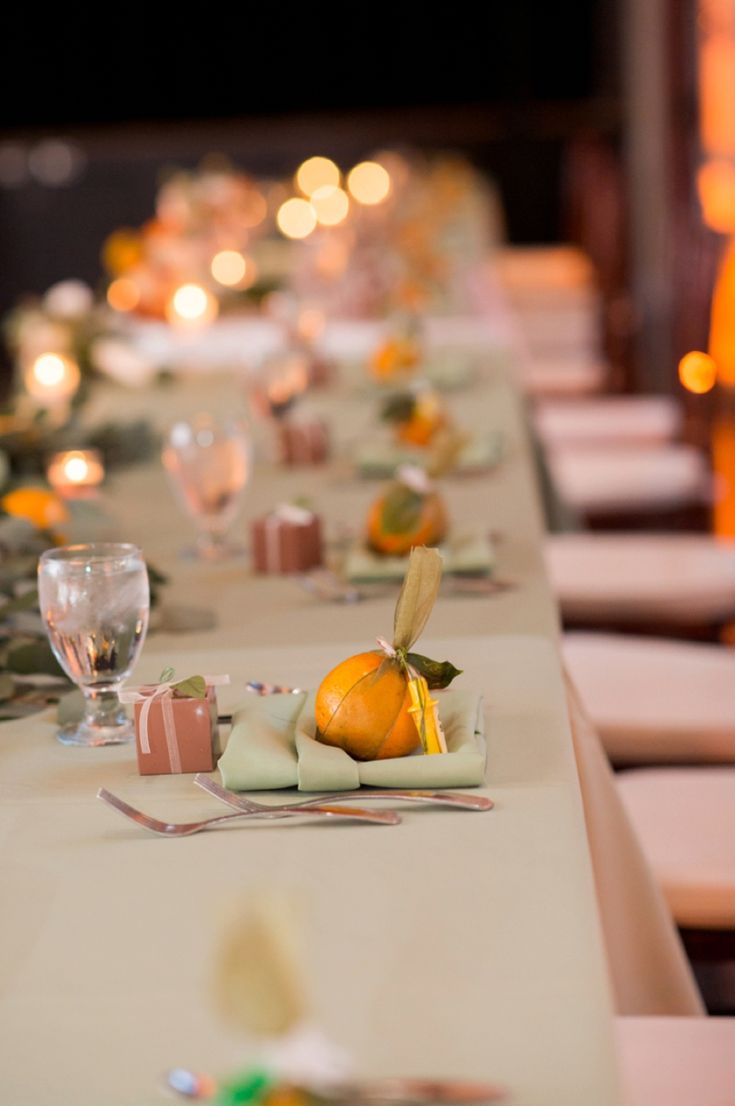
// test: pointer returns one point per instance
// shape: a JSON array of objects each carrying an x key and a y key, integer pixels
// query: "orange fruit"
[
  {"x": 402, "y": 518},
  {"x": 42, "y": 508},
  {"x": 421, "y": 427},
  {"x": 395, "y": 356},
  {"x": 362, "y": 707}
]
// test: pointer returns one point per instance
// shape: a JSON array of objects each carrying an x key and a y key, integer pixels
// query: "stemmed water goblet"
[
  {"x": 209, "y": 460},
  {"x": 94, "y": 602}
]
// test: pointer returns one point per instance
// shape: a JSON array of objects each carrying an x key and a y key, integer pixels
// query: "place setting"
[{"x": 372, "y": 730}]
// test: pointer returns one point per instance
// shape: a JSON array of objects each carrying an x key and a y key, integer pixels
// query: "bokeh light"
[
  {"x": 52, "y": 376},
  {"x": 76, "y": 468},
  {"x": 123, "y": 294},
  {"x": 369, "y": 183},
  {"x": 317, "y": 172},
  {"x": 192, "y": 304},
  {"x": 698, "y": 372},
  {"x": 228, "y": 267},
  {"x": 331, "y": 205},
  {"x": 296, "y": 218}
]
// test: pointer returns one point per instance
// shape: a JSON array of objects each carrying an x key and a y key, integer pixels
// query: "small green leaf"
[
  {"x": 193, "y": 688},
  {"x": 438, "y": 674},
  {"x": 166, "y": 675}
]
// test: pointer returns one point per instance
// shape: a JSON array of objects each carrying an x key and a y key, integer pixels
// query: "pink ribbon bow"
[{"x": 148, "y": 694}]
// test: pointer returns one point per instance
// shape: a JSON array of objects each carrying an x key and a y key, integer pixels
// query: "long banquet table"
[{"x": 455, "y": 944}]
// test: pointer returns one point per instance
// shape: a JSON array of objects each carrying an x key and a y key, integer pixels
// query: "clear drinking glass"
[
  {"x": 208, "y": 460},
  {"x": 94, "y": 602}
]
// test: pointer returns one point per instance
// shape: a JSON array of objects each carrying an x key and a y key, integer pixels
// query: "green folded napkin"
[
  {"x": 272, "y": 745},
  {"x": 449, "y": 370},
  {"x": 465, "y": 555},
  {"x": 446, "y": 370},
  {"x": 381, "y": 457}
]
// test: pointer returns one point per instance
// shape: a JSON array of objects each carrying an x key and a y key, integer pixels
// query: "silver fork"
[
  {"x": 186, "y": 829},
  {"x": 438, "y": 798}
]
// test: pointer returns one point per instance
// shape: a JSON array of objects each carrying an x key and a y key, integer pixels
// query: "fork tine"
[{"x": 137, "y": 816}]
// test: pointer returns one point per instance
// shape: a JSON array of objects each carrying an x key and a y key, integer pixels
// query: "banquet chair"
[
  {"x": 562, "y": 375},
  {"x": 653, "y": 700},
  {"x": 677, "y": 1061},
  {"x": 685, "y": 821},
  {"x": 630, "y": 479},
  {"x": 607, "y": 420},
  {"x": 545, "y": 275},
  {"x": 682, "y": 582}
]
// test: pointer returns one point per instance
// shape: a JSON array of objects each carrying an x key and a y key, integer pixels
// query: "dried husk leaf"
[
  {"x": 446, "y": 452},
  {"x": 258, "y": 979},
  {"x": 417, "y": 597}
]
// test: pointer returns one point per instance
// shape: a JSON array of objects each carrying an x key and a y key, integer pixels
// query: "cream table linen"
[
  {"x": 472, "y": 940},
  {"x": 457, "y": 943}
]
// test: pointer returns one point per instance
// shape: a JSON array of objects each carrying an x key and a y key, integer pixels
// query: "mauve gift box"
[
  {"x": 303, "y": 441},
  {"x": 193, "y": 745},
  {"x": 285, "y": 541}
]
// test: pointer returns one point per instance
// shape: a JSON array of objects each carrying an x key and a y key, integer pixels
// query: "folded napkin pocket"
[
  {"x": 381, "y": 456},
  {"x": 464, "y": 555},
  {"x": 272, "y": 745}
]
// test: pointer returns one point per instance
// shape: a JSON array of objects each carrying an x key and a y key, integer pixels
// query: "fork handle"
[
  {"x": 438, "y": 798},
  {"x": 379, "y": 817}
]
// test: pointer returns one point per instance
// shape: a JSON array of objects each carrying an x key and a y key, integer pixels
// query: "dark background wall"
[{"x": 510, "y": 84}]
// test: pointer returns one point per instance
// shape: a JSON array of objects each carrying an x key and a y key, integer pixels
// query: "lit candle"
[
  {"x": 76, "y": 472},
  {"x": 52, "y": 378}
]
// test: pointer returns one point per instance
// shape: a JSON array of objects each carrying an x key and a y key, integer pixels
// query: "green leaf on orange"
[
  {"x": 438, "y": 674},
  {"x": 402, "y": 509}
]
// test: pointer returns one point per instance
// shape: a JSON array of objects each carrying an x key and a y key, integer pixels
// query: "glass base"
[
  {"x": 216, "y": 551},
  {"x": 83, "y": 734}
]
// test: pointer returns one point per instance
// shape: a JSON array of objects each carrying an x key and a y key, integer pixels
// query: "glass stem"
[
  {"x": 102, "y": 708},
  {"x": 211, "y": 543}
]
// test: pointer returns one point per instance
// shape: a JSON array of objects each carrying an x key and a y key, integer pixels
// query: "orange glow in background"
[
  {"x": 716, "y": 188},
  {"x": 722, "y": 319},
  {"x": 697, "y": 372},
  {"x": 723, "y": 463}
]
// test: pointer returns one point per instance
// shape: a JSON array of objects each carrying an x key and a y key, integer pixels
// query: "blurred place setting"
[{"x": 367, "y": 529}]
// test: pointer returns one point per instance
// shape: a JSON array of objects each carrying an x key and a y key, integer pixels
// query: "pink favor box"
[
  {"x": 282, "y": 546},
  {"x": 194, "y": 744},
  {"x": 303, "y": 442}
]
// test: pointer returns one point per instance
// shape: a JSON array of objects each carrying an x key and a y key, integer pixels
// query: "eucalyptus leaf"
[
  {"x": 70, "y": 708},
  {"x": 33, "y": 658},
  {"x": 193, "y": 688},
  {"x": 417, "y": 596},
  {"x": 438, "y": 674},
  {"x": 24, "y": 602}
]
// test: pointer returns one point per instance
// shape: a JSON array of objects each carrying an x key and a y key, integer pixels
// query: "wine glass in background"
[
  {"x": 94, "y": 602},
  {"x": 279, "y": 382},
  {"x": 209, "y": 461}
]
